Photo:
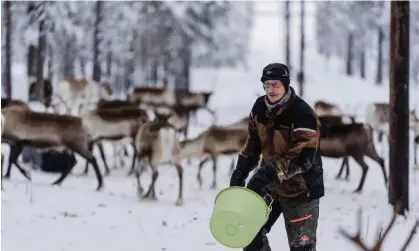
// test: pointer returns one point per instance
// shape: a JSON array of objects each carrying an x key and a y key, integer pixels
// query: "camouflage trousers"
[{"x": 300, "y": 216}]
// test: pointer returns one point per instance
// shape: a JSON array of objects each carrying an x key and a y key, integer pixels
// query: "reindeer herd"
[
  {"x": 153, "y": 121},
  {"x": 343, "y": 137}
]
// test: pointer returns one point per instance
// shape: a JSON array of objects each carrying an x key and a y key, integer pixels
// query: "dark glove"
[{"x": 240, "y": 174}]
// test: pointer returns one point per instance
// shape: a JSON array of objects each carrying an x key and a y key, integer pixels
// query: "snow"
[{"x": 39, "y": 217}]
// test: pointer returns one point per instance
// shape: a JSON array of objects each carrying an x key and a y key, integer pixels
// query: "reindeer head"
[{"x": 162, "y": 114}]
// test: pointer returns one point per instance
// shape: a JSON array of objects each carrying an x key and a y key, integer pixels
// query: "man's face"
[{"x": 274, "y": 89}]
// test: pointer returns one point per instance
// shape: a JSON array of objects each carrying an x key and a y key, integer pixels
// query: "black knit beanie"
[{"x": 276, "y": 71}]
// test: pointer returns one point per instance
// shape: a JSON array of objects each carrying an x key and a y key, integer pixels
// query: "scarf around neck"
[{"x": 279, "y": 103}]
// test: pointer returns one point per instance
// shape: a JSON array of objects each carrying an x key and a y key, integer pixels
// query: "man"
[{"x": 285, "y": 130}]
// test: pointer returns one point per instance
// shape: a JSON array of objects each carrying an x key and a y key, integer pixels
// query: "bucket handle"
[{"x": 270, "y": 203}]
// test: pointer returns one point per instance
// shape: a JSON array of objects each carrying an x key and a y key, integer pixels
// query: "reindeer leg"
[
  {"x": 15, "y": 150},
  {"x": 87, "y": 154},
  {"x": 347, "y": 168},
  {"x": 185, "y": 134},
  {"x": 136, "y": 154},
  {"x": 125, "y": 151},
  {"x": 179, "y": 170},
  {"x": 338, "y": 176},
  {"x": 373, "y": 155},
  {"x": 102, "y": 155},
  {"x": 86, "y": 167},
  {"x": 364, "y": 166},
  {"x": 121, "y": 154},
  {"x": 151, "y": 194},
  {"x": 115, "y": 153},
  {"x": 198, "y": 175},
  {"x": 138, "y": 172},
  {"x": 214, "y": 171}
]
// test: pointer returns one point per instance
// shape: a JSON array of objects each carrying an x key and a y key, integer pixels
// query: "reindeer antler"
[{"x": 380, "y": 239}]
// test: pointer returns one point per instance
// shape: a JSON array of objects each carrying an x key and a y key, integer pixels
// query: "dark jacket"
[{"x": 289, "y": 139}]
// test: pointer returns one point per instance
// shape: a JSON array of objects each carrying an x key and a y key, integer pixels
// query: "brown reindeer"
[
  {"x": 356, "y": 239},
  {"x": 156, "y": 144},
  {"x": 153, "y": 95},
  {"x": 214, "y": 142},
  {"x": 329, "y": 120},
  {"x": 24, "y": 127},
  {"x": 113, "y": 124},
  {"x": 193, "y": 101},
  {"x": 168, "y": 96},
  {"x": 324, "y": 108},
  {"x": 355, "y": 140},
  {"x": 116, "y": 103}
]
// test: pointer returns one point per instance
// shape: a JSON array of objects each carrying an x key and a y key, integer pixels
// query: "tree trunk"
[
  {"x": 96, "y": 43},
  {"x": 186, "y": 73},
  {"x": 31, "y": 56},
  {"x": 300, "y": 76},
  {"x": 379, "y": 77},
  {"x": 69, "y": 57},
  {"x": 8, "y": 64},
  {"x": 399, "y": 105},
  {"x": 109, "y": 61},
  {"x": 362, "y": 62},
  {"x": 288, "y": 34},
  {"x": 349, "y": 55},
  {"x": 50, "y": 62},
  {"x": 154, "y": 72},
  {"x": 40, "y": 62}
]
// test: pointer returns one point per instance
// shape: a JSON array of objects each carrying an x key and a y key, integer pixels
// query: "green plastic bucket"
[{"x": 238, "y": 215}]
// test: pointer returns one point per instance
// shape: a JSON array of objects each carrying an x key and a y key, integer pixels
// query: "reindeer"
[
  {"x": 355, "y": 140},
  {"x": 153, "y": 95},
  {"x": 194, "y": 101},
  {"x": 216, "y": 141},
  {"x": 116, "y": 103},
  {"x": 168, "y": 96},
  {"x": 378, "y": 116},
  {"x": 115, "y": 125},
  {"x": 356, "y": 239},
  {"x": 24, "y": 127},
  {"x": 325, "y": 108},
  {"x": 330, "y": 120},
  {"x": 156, "y": 144},
  {"x": 82, "y": 91}
]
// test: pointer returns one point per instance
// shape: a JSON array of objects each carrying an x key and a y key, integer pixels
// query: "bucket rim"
[{"x": 245, "y": 189}]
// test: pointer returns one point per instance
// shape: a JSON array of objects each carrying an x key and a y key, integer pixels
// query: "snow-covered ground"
[{"x": 39, "y": 217}]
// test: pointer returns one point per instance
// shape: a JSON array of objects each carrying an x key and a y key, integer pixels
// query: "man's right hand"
[{"x": 240, "y": 174}]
